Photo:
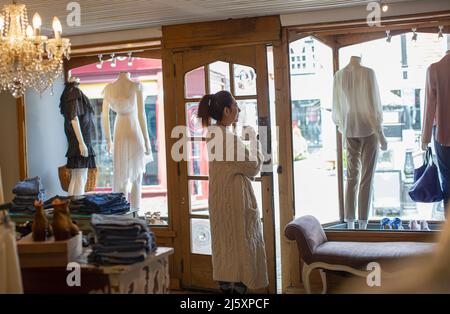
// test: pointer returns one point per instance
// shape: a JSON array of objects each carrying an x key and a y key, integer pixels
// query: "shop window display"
[{"x": 149, "y": 72}]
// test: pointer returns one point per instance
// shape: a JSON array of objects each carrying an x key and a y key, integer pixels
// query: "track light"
[
  {"x": 441, "y": 32},
  {"x": 388, "y": 36},
  {"x": 384, "y": 7},
  {"x": 414, "y": 37},
  {"x": 113, "y": 61},
  {"x": 100, "y": 62},
  {"x": 130, "y": 59}
]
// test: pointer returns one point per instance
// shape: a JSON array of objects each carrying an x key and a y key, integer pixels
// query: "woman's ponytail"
[
  {"x": 203, "y": 111},
  {"x": 212, "y": 106}
]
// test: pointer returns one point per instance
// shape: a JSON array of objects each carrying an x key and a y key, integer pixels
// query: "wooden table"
[{"x": 148, "y": 277}]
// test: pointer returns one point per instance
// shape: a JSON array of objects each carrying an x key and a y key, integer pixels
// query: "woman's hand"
[
  {"x": 148, "y": 148},
  {"x": 110, "y": 146},
  {"x": 249, "y": 133},
  {"x": 83, "y": 150}
]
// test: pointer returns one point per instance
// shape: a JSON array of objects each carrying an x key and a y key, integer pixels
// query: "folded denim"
[
  {"x": 22, "y": 208},
  {"x": 39, "y": 196},
  {"x": 112, "y": 239},
  {"x": 28, "y": 186},
  {"x": 123, "y": 247},
  {"x": 108, "y": 211},
  {"x": 20, "y": 202},
  {"x": 105, "y": 204},
  {"x": 117, "y": 221},
  {"x": 117, "y": 257},
  {"x": 104, "y": 260}
]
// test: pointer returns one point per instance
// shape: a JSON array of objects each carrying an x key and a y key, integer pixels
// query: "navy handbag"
[{"x": 426, "y": 187}]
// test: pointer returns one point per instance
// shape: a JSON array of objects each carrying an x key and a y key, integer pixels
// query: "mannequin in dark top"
[{"x": 79, "y": 128}]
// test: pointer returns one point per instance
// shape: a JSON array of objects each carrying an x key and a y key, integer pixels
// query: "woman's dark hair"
[{"x": 212, "y": 105}]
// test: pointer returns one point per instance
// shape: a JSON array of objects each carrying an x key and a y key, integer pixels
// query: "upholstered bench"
[{"x": 353, "y": 257}]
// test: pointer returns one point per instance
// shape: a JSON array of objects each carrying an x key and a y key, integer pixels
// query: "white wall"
[
  {"x": 9, "y": 144},
  {"x": 46, "y": 141},
  {"x": 360, "y": 12}
]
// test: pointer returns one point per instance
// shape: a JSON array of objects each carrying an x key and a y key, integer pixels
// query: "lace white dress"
[{"x": 129, "y": 157}]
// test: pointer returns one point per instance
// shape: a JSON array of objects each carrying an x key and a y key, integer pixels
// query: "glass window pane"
[
  {"x": 219, "y": 76},
  {"x": 193, "y": 123},
  {"x": 154, "y": 183},
  {"x": 314, "y": 133},
  {"x": 198, "y": 158},
  {"x": 194, "y": 83},
  {"x": 248, "y": 115},
  {"x": 244, "y": 80},
  {"x": 198, "y": 197},
  {"x": 400, "y": 67},
  {"x": 200, "y": 236}
]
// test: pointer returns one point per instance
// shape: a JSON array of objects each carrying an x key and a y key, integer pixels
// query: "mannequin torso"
[{"x": 131, "y": 140}]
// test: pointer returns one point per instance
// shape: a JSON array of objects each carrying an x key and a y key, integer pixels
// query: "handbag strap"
[{"x": 428, "y": 156}]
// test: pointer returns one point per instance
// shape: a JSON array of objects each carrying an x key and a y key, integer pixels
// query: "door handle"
[{"x": 279, "y": 169}]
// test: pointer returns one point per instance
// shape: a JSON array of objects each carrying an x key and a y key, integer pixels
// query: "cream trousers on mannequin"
[
  {"x": 136, "y": 192},
  {"x": 362, "y": 153},
  {"x": 78, "y": 181}
]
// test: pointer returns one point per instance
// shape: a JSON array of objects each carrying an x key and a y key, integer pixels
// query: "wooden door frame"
[{"x": 249, "y": 55}]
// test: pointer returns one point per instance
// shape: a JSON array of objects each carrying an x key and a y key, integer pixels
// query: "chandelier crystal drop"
[{"x": 28, "y": 59}]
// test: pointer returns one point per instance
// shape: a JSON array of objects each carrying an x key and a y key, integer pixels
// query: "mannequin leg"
[
  {"x": 353, "y": 169},
  {"x": 73, "y": 180},
  {"x": 78, "y": 181},
  {"x": 136, "y": 193},
  {"x": 362, "y": 224},
  {"x": 369, "y": 164}
]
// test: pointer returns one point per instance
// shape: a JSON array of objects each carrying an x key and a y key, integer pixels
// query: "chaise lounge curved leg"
[{"x": 307, "y": 269}]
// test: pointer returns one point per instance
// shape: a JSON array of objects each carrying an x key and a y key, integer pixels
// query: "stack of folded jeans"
[
  {"x": 120, "y": 240},
  {"x": 100, "y": 203},
  {"x": 27, "y": 192}
]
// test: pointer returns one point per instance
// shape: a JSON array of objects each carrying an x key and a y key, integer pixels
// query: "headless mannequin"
[
  {"x": 355, "y": 61},
  {"x": 123, "y": 83},
  {"x": 425, "y": 144},
  {"x": 78, "y": 176}
]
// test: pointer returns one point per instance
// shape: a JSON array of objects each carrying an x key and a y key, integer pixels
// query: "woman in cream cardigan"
[{"x": 238, "y": 251}]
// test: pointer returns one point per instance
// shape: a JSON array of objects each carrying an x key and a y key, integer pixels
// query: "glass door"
[{"x": 243, "y": 72}]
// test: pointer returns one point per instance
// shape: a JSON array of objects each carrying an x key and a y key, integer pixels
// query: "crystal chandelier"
[{"x": 28, "y": 59}]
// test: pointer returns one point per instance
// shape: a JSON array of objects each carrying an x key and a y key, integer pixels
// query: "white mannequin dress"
[{"x": 129, "y": 148}]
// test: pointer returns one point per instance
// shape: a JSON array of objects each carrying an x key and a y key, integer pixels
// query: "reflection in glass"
[
  {"x": 198, "y": 158},
  {"x": 198, "y": 197},
  {"x": 244, "y": 80},
  {"x": 219, "y": 77},
  {"x": 400, "y": 68},
  {"x": 200, "y": 236},
  {"x": 313, "y": 131},
  {"x": 194, "y": 123},
  {"x": 194, "y": 83},
  {"x": 248, "y": 115}
]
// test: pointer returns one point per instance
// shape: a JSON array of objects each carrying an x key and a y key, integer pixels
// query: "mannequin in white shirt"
[
  {"x": 131, "y": 149},
  {"x": 358, "y": 113}
]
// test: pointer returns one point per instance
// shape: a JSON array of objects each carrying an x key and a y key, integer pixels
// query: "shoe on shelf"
[
  {"x": 385, "y": 224},
  {"x": 424, "y": 226},
  {"x": 397, "y": 224},
  {"x": 414, "y": 225}
]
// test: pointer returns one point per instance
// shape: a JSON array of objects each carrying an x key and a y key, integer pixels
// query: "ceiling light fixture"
[
  {"x": 414, "y": 36},
  {"x": 384, "y": 7},
  {"x": 28, "y": 59},
  {"x": 99, "y": 65},
  {"x": 388, "y": 36},
  {"x": 113, "y": 61},
  {"x": 130, "y": 59},
  {"x": 441, "y": 32}
]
